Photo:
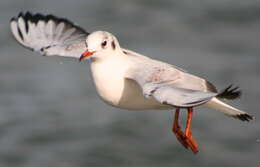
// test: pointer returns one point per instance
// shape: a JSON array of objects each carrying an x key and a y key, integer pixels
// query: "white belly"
[{"x": 114, "y": 89}]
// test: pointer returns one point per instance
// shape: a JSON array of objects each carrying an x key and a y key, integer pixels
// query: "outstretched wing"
[
  {"x": 159, "y": 81},
  {"x": 49, "y": 35}
]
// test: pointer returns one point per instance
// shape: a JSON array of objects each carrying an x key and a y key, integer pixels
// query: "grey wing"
[
  {"x": 158, "y": 81},
  {"x": 49, "y": 35},
  {"x": 177, "y": 97}
]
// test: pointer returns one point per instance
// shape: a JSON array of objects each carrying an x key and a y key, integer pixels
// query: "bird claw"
[
  {"x": 186, "y": 141},
  {"x": 192, "y": 144},
  {"x": 182, "y": 139}
]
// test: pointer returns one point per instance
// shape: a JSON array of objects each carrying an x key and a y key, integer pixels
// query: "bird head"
[{"x": 100, "y": 44}]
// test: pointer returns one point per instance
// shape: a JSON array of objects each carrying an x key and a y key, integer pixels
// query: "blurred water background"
[{"x": 50, "y": 114}]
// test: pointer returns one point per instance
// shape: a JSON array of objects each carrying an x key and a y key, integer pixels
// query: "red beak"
[{"x": 86, "y": 54}]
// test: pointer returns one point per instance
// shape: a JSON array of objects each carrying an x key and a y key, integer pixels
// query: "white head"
[{"x": 100, "y": 44}]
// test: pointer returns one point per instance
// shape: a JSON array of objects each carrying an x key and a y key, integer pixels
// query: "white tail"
[{"x": 220, "y": 106}]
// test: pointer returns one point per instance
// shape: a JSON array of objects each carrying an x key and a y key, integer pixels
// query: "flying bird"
[{"x": 124, "y": 78}]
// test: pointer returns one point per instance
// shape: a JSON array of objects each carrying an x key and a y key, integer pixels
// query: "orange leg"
[
  {"x": 192, "y": 143},
  {"x": 177, "y": 129},
  {"x": 186, "y": 138}
]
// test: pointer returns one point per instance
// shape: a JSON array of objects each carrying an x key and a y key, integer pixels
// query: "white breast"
[
  {"x": 114, "y": 89},
  {"x": 108, "y": 78}
]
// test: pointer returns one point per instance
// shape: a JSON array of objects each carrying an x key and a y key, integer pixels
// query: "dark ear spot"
[
  {"x": 113, "y": 45},
  {"x": 103, "y": 44}
]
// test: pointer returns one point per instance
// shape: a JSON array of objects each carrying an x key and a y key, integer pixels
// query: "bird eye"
[{"x": 103, "y": 44}]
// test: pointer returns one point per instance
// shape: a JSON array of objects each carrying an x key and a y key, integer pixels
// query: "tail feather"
[
  {"x": 244, "y": 117},
  {"x": 230, "y": 93},
  {"x": 220, "y": 106}
]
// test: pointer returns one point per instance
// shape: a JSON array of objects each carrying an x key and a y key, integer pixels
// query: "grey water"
[{"x": 50, "y": 114}]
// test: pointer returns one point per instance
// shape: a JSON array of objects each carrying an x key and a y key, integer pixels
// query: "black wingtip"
[
  {"x": 35, "y": 18},
  {"x": 20, "y": 14},
  {"x": 13, "y": 19},
  {"x": 230, "y": 93},
  {"x": 245, "y": 117}
]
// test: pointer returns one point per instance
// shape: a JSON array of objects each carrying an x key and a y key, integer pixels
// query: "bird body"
[
  {"x": 116, "y": 89},
  {"x": 124, "y": 78}
]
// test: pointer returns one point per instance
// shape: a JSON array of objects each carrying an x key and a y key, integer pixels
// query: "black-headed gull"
[{"x": 123, "y": 78}]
